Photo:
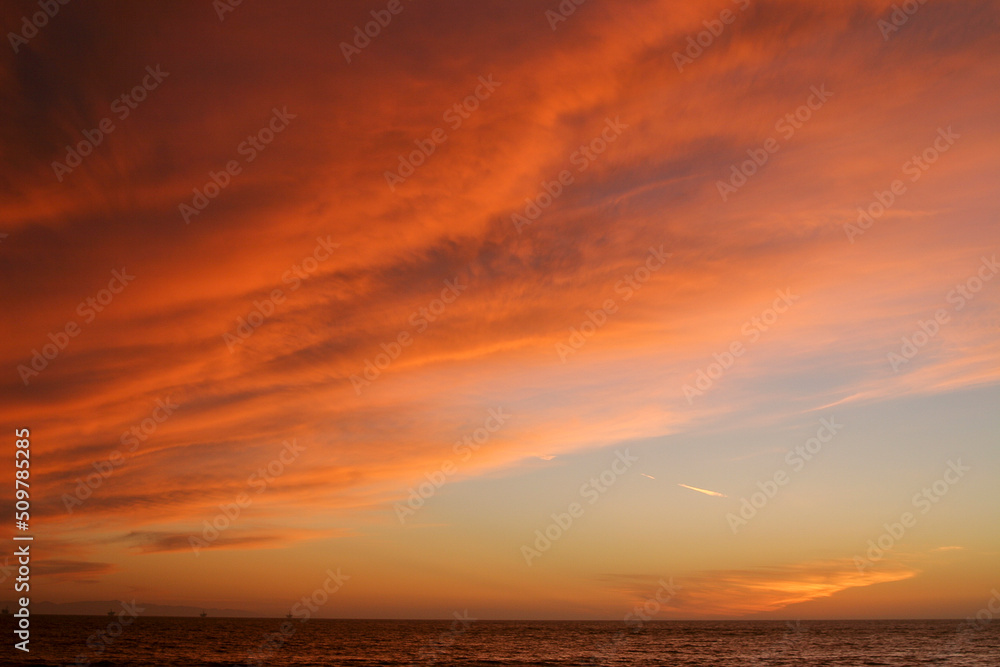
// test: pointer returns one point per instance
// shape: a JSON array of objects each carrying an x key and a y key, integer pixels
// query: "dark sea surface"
[{"x": 150, "y": 641}]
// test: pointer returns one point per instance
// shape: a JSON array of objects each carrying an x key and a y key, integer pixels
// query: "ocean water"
[{"x": 180, "y": 642}]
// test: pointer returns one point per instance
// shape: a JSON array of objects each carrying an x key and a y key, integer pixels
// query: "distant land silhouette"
[{"x": 102, "y": 607}]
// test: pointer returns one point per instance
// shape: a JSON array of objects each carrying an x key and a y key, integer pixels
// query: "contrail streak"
[{"x": 705, "y": 491}]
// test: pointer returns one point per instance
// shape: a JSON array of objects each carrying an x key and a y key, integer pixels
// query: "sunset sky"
[{"x": 394, "y": 301}]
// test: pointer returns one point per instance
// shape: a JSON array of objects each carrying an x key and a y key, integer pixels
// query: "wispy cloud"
[{"x": 656, "y": 184}]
